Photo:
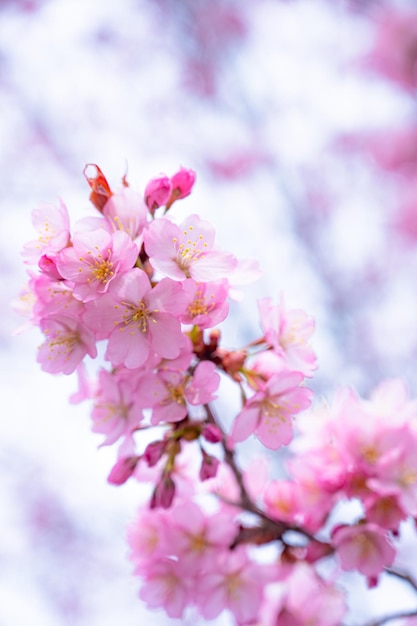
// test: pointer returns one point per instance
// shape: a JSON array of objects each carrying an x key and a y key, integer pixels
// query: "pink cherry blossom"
[
  {"x": 363, "y": 547},
  {"x": 138, "y": 319},
  {"x": 186, "y": 251},
  {"x": 166, "y": 585},
  {"x": 52, "y": 224},
  {"x": 207, "y": 303},
  {"x": 236, "y": 584},
  {"x": 282, "y": 500},
  {"x": 289, "y": 332},
  {"x": 149, "y": 537},
  {"x": 307, "y": 599},
  {"x": 397, "y": 472},
  {"x": 199, "y": 537},
  {"x": 44, "y": 297},
  {"x": 67, "y": 341},
  {"x": 169, "y": 392},
  {"x": 94, "y": 260},
  {"x": 269, "y": 412},
  {"x": 126, "y": 211},
  {"x": 116, "y": 411}
]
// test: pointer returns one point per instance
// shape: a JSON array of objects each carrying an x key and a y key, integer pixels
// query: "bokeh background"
[{"x": 300, "y": 120}]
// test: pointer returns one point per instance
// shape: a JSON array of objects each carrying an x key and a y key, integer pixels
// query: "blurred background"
[{"x": 300, "y": 120}]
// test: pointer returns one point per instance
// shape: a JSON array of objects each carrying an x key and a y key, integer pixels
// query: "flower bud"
[
  {"x": 212, "y": 433},
  {"x": 100, "y": 188},
  {"x": 48, "y": 266},
  {"x": 163, "y": 494},
  {"x": 182, "y": 183},
  {"x": 123, "y": 470},
  {"x": 157, "y": 192},
  {"x": 154, "y": 452},
  {"x": 208, "y": 467}
]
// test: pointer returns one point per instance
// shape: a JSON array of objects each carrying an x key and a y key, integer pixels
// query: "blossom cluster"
[{"x": 152, "y": 292}]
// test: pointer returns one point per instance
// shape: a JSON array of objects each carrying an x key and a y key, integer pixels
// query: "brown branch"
[
  {"x": 245, "y": 502},
  {"x": 403, "y": 576}
]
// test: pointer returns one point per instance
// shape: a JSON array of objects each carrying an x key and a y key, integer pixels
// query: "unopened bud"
[
  {"x": 154, "y": 452},
  {"x": 163, "y": 494},
  {"x": 123, "y": 470},
  {"x": 233, "y": 362},
  {"x": 211, "y": 433},
  {"x": 48, "y": 266},
  {"x": 157, "y": 192},
  {"x": 208, "y": 467},
  {"x": 100, "y": 188},
  {"x": 182, "y": 183}
]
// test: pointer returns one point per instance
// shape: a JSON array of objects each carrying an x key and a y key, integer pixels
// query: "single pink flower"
[
  {"x": 289, "y": 333},
  {"x": 269, "y": 412},
  {"x": 363, "y": 547},
  {"x": 94, "y": 260},
  {"x": 139, "y": 320},
  {"x": 308, "y": 599},
  {"x": 67, "y": 341},
  {"x": 207, "y": 303},
  {"x": 186, "y": 251},
  {"x": 116, "y": 410},
  {"x": 235, "y": 583},
  {"x": 169, "y": 392},
  {"x": 126, "y": 211},
  {"x": 52, "y": 224},
  {"x": 397, "y": 472},
  {"x": 166, "y": 585}
]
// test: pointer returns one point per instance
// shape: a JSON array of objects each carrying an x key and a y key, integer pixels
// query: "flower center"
[
  {"x": 199, "y": 305},
  {"x": 102, "y": 270},
  {"x": 139, "y": 315}
]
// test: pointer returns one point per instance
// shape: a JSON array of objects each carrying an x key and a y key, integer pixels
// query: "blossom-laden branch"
[{"x": 154, "y": 291}]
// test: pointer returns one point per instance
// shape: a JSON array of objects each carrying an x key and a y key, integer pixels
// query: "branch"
[
  {"x": 401, "y": 614},
  {"x": 388, "y": 618},
  {"x": 403, "y": 575},
  {"x": 245, "y": 501}
]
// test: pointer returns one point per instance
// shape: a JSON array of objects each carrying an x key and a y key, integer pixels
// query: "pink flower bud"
[
  {"x": 208, "y": 467},
  {"x": 48, "y": 266},
  {"x": 123, "y": 470},
  {"x": 163, "y": 494},
  {"x": 211, "y": 433},
  {"x": 182, "y": 182},
  {"x": 157, "y": 192},
  {"x": 154, "y": 452}
]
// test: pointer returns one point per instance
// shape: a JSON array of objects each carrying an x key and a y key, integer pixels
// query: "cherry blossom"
[
  {"x": 289, "y": 332},
  {"x": 53, "y": 226},
  {"x": 363, "y": 547},
  {"x": 269, "y": 412},
  {"x": 169, "y": 392},
  {"x": 94, "y": 260},
  {"x": 67, "y": 341},
  {"x": 138, "y": 319},
  {"x": 116, "y": 410},
  {"x": 186, "y": 251}
]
